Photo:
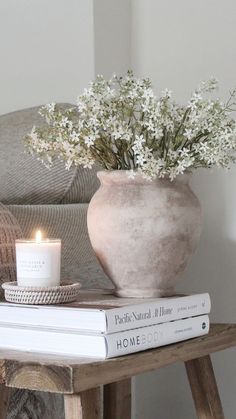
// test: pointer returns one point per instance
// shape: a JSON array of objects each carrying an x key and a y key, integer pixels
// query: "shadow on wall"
[
  {"x": 162, "y": 386},
  {"x": 213, "y": 267}
]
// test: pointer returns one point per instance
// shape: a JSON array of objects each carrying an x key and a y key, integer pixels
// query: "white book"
[
  {"x": 104, "y": 314},
  {"x": 101, "y": 346}
]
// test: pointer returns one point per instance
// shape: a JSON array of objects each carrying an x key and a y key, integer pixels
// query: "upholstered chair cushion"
[
  {"x": 67, "y": 222},
  {"x": 9, "y": 231},
  {"x": 25, "y": 180}
]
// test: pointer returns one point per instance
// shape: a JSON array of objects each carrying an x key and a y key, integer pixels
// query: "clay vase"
[{"x": 144, "y": 232}]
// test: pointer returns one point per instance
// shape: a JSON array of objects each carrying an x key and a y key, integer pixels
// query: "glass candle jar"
[{"x": 38, "y": 262}]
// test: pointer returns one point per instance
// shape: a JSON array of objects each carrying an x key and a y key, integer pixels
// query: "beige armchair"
[{"x": 55, "y": 201}]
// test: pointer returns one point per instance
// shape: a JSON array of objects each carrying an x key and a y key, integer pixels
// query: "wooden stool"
[{"x": 81, "y": 380}]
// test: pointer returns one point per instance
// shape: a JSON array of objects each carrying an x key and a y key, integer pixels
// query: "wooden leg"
[
  {"x": 204, "y": 388},
  {"x": 4, "y": 400},
  {"x": 85, "y": 405},
  {"x": 117, "y": 400}
]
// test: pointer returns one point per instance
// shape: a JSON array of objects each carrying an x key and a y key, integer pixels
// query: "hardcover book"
[
  {"x": 103, "y": 313},
  {"x": 73, "y": 343}
]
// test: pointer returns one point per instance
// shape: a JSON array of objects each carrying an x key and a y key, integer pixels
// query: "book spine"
[
  {"x": 137, "y": 340},
  {"x": 154, "y": 312}
]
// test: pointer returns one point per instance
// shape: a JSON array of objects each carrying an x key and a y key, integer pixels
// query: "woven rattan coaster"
[{"x": 65, "y": 293}]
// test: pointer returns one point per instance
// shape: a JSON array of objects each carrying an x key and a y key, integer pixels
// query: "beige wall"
[
  {"x": 51, "y": 49},
  {"x": 46, "y": 51},
  {"x": 177, "y": 44},
  {"x": 112, "y": 33}
]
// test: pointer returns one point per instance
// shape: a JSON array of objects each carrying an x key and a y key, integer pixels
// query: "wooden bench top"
[{"x": 72, "y": 375}]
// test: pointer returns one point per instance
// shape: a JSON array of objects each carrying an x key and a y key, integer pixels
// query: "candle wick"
[{"x": 38, "y": 236}]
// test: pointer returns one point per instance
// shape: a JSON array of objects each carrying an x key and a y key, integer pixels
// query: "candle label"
[{"x": 33, "y": 265}]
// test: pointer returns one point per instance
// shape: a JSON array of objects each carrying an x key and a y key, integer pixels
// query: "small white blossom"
[
  {"x": 158, "y": 132},
  {"x": 145, "y": 107},
  {"x": 139, "y": 139},
  {"x": 75, "y": 136},
  {"x": 89, "y": 140},
  {"x": 64, "y": 122},
  {"x": 50, "y": 107},
  {"x": 131, "y": 173},
  {"x": 148, "y": 94},
  {"x": 184, "y": 152},
  {"x": 140, "y": 159},
  {"x": 188, "y": 133},
  {"x": 166, "y": 94}
]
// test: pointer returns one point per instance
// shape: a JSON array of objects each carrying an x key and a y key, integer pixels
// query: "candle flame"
[{"x": 38, "y": 236}]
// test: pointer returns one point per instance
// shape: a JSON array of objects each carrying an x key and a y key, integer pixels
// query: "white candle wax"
[{"x": 38, "y": 262}]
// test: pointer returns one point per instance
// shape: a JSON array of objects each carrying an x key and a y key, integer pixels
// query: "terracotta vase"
[{"x": 144, "y": 232}]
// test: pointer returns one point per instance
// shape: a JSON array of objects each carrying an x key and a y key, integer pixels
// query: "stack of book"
[{"x": 103, "y": 326}]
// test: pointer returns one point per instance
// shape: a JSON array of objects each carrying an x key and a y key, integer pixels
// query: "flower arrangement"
[{"x": 121, "y": 125}]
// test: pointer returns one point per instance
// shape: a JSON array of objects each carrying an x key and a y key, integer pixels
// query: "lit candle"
[{"x": 38, "y": 262}]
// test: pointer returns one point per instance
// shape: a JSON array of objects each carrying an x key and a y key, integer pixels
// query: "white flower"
[
  {"x": 172, "y": 155},
  {"x": 173, "y": 172},
  {"x": 197, "y": 97},
  {"x": 117, "y": 133},
  {"x": 184, "y": 152},
  {"x": 145, "y": 107},
  {"x": 50, "y": 107},
  {"x": 188, "y": 133},
  {"x": 158, "y": 132},
  {"x": 150, "y": 125},
  {"x": 64, "y": 122},
  {"x": 68, "y": 164},
  {"x": 93, "y": 121},
  {"x": 166, "y": 94},
  {"x": 180, "y": 168},
  {"x": 131, "y": 173},
  {"x": 204, "y": 147},
  {"x": 34, "y": 135},
  {"x": 88, "y": 164},
  {"x": 89, "y": 140},
  {"x": 195, "y": 101},
  {"x": 75, "y": 136},
  {"x": 67, "y": 147},
  {"x": 148, "y": 94},
  {"x": 89, "y": 92},
  {"x": 209, "y": 85},
  {"x": 81, "y": 106},
  {"x": 139, "y": 140},
  {"x": 140, "y": 159}
]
